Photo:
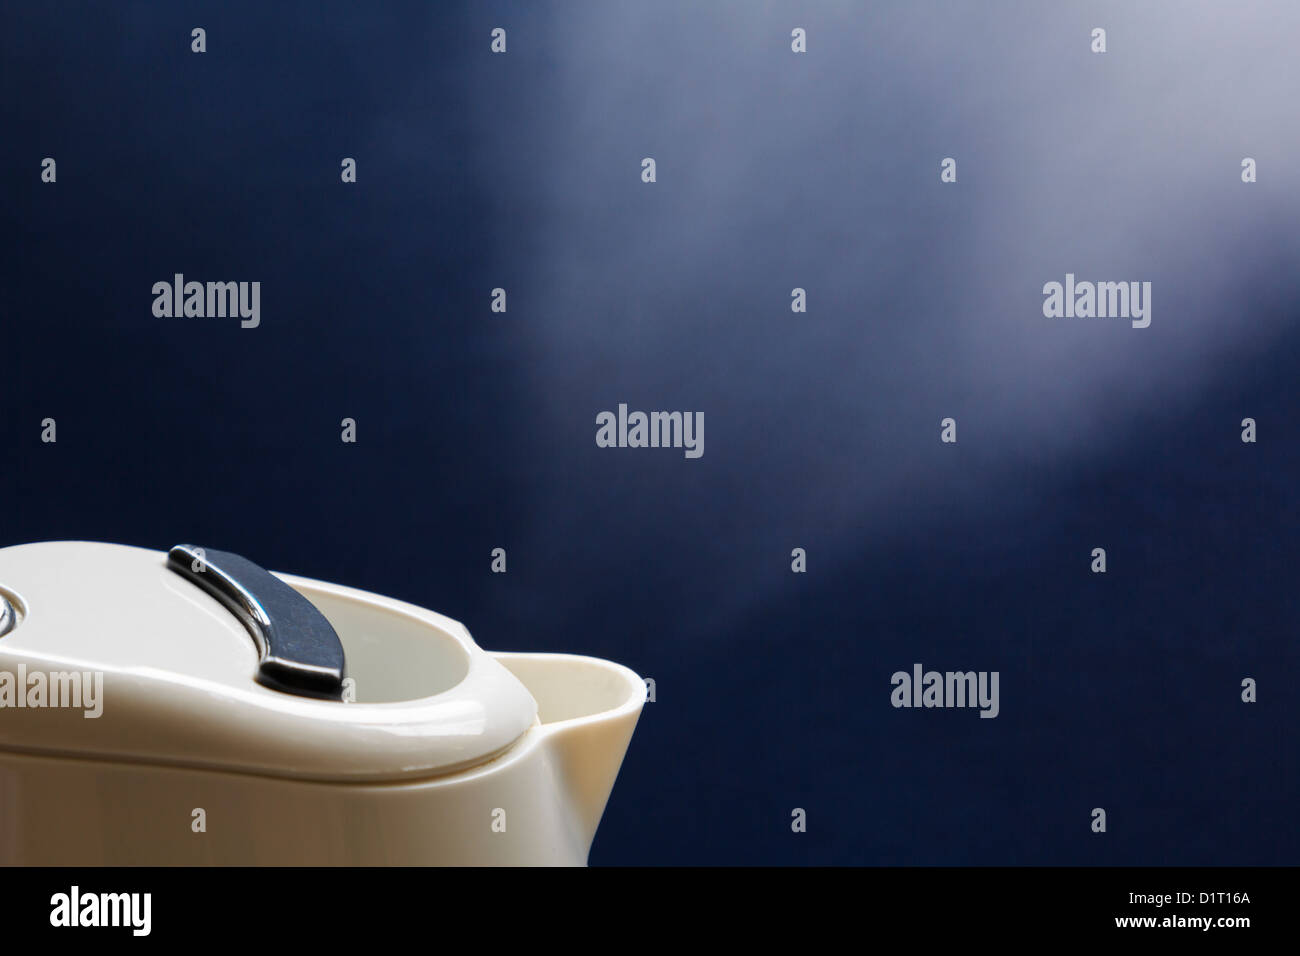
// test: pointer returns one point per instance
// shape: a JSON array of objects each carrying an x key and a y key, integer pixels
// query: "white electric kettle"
[{"x": 140, "y": 724}]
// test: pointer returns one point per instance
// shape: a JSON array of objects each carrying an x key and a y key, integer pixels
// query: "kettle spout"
[{"x": 588, "y": 709}]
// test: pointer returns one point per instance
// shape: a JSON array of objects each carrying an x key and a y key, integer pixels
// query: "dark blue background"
[{"x": 476, "y": 430}]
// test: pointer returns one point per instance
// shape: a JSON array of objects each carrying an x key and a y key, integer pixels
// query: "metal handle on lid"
[{"x": 300, "y": 651}]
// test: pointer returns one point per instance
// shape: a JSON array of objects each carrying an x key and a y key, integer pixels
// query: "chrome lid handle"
[{"x": 300, "y": 651}]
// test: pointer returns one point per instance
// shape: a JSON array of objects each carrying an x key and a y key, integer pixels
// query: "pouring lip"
[
  {"x": 630, "y": 701},
  {"x": 634, "y": 703}
]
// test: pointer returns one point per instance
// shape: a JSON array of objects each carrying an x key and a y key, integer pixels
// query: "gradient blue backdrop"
[{"x": 775, "y": 170}]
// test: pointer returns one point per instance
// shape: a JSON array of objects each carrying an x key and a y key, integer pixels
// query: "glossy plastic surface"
[
  {"x": 538, "y": 804},
  {"x": 452, "y": 756},
  {"x": 178, "y": 676}
]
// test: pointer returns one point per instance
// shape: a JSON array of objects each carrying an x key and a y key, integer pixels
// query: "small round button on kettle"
[
  {"x": 300, "y": 651},
  {"x": 8, "y": 616}
]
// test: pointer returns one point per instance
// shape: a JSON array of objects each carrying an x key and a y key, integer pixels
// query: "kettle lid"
[{"x": 201, "y": 658}]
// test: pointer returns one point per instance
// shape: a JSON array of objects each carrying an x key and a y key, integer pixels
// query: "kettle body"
[{"x": 445, "y": 754}]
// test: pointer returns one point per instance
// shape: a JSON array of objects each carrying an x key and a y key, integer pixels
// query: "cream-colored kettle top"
[{"x": 171, "y": 673}]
